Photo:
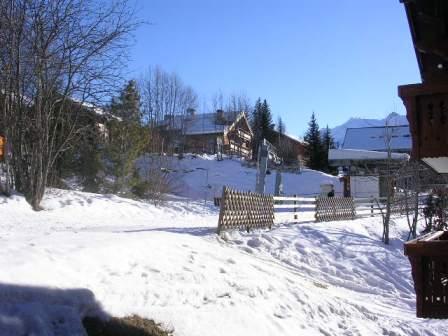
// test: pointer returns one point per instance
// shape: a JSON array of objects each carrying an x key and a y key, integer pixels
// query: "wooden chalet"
[
  {"x": 427, "y": 111},
  {"x": 225, "y": 132},
  {"x": 289, "y": 148},
  {"x": 427, "y": 102}
]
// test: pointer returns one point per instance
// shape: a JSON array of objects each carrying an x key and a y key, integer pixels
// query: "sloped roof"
[
  {"x": 203, "y": 123},
  {"x": 292, "y": 137},
  {"x": 376, "y": 138}
]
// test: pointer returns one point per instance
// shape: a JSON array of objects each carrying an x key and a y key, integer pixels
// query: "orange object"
[{"x": 2, "y": 147}]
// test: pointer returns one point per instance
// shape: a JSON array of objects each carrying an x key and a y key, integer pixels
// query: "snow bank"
[{"x": 167, "y": 264}]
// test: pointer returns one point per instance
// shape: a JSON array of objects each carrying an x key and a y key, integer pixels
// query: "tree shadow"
[{"x": 33, "y": 310}]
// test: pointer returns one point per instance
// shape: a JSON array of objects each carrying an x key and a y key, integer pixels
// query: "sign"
[{"x": 2, "y": 147}]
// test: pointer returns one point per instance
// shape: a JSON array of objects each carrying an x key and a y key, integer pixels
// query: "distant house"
[
  {"x": 290, "y": 148},
  {"x": 225, "y": 132},
  {"x": 364, "y": 170},
  {"x": 364, "y": 158},
  {"x": 397, "y": 138}
]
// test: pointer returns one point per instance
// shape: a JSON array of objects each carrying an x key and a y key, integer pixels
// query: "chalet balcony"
[
  {"x": 427, "y": 112},
  {"x": 427, "y": 103},
  {"x": 428, "y": 257}
]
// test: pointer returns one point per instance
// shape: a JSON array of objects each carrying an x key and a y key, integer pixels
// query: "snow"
[
  {"x": 358, "y": 154},
  {"x": 439, "y": 164},
  {"x": 393, "y": 119},
  {"x": 203, "y": 177},
  {"x": 89, "y": 254},
  {"x": 293, "y": 137},
  {"x": 378, "y": 138}
]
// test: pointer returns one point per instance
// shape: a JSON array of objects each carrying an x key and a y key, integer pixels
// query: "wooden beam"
[{"x": 439, "y": 48}]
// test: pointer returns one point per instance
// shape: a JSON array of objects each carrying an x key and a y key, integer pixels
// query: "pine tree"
[
  {"x": 127, "y": 105},
  {"x": 128, "y": 138},
  {"x": 281, "y": 128},
  {"x": 267, "y": 126},
  {"x": 262, "y": 125},
  {"x": 314, "y": 149},
  {"x": 328, "y": 143},
  {"x": 255, "y": 124}
]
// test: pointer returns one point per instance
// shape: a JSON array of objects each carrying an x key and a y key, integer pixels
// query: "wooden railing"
[{"x": 294, "y": 204}]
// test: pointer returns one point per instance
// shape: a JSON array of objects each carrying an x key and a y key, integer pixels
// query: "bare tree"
[
  {"x": 164, "y": 94},
  {"x": 57, "y": 56},
  {"x": 389, "y": 183},
  {"x": 164, "y": 98}
]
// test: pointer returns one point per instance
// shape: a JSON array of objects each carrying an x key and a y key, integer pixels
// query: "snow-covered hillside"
[
  {"x": 94, "y": 254},
  {"x": 393, "y": 119},
  {"x": 203, "y": 177}
]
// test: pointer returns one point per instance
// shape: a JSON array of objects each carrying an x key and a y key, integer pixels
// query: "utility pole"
[{"x": 262, "y": 166}]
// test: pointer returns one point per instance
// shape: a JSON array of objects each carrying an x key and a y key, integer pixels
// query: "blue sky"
[{"x": 338, "y": 58}]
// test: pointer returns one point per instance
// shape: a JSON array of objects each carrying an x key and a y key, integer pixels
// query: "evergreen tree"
[
  {"x": 256, "y": 127},
  {"x": 267, "y": 126},
  {"x": 127, "y": 139},
  {"x": 262, "y": 125},
  {"x": 328, "y": 143},
  {"x": 314, "y": 148},
  {"x": 281, "y": 128},
  {"x": 127, "y": 105}
]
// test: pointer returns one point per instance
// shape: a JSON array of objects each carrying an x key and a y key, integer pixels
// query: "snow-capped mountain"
[{"x": 393, "y": 119}]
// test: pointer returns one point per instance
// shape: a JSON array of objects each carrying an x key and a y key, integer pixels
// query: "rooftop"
[
  {"x": 380, "y": 138},
  {"x": 203, "y": 123}
]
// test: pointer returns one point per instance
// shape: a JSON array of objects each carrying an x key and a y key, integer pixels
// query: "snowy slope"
[
  {"x": 88, "y": 253},
  {"x": 394, "y": 119},
  {"x": 203, "y": 177}
]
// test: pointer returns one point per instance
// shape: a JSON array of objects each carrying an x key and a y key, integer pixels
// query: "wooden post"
[
  {"x": 221, "y": 210},
  {"x": 295, "y": 209}
]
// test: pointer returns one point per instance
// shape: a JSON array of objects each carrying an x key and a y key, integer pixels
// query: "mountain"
[{"x": 393, "y": 119}]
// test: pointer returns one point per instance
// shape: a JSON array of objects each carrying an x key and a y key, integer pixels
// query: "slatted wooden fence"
[
  {"x": 334, "y": 208},
  {"x": 245, "y": 210}
]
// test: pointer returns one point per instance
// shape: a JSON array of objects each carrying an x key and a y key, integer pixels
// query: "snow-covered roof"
[
  {"x": 293, "y": 137},
  {"x": 204, "y": 123},
  {"x": 364, "y": 155},
  {"x": 439, "y": 164},
  {"x": 376, "y": 138}
]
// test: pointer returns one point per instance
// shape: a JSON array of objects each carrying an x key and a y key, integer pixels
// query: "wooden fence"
[
  {"x": 245, "y": 210},
  {"x": 294, "y": 204},
  {"x": 334, "y": 208}
]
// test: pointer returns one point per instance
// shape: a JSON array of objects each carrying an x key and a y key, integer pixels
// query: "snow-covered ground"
[
  {"x": 202, "y": 177},
  {"x": 90, "y": 253}
]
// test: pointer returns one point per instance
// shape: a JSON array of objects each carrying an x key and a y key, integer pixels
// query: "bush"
[
  {"x": 154, "y": 178},
  {"x": 126, "y": 326}
]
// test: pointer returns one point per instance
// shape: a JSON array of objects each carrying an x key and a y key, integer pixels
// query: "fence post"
[
  {"x": 221, "y": 210},
  {"x": 371, "y": 207},
  {"x": 295, "y": 209}
]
